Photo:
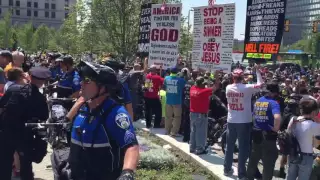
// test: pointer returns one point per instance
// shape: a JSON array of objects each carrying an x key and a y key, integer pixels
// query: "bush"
[{"x": 153, "y": 156}]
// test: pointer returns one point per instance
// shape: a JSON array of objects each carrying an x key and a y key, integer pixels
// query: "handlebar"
[
  {"x": 61, "y": 99},
  {"x": 42, "y": 125}
]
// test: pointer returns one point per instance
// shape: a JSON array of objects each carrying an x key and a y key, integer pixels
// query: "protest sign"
[
  {"x": 213, "y": 32},
  {"x": 237, "y": 57},
  {"x": 144, "y": 30},
  {"x": 165, "y": 35},
  {"x": 264, "y": 29}
]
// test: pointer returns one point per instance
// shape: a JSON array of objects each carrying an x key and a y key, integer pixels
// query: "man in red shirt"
[
  {"x": 152, "y": 87},
  {"x": 199, "y": 107}
]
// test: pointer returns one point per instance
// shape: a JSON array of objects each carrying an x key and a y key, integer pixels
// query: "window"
[
  {"x": 35, "y": 4},
  {"x": 0, "y": 11},
  {"x": 53, "y": 6},
  {"x": 46, "y": 14},
  {"x": 29, "y": 4},
  {"x": 18, "y": 3},
  {"x": 17, "y": 12},
  {"x": 66, "y": 15},
  {"x": 46, "y": 5},
  {"x": 28, "y": 12},
  {"x": 53, "y": 15},
  {"x": 10, "y": 2},
  {"x": 35, "y": 13},
  {"x": 0, "y": 3}
]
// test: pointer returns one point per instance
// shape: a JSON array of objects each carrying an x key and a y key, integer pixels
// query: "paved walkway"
[{"x": 213, "y": 161}]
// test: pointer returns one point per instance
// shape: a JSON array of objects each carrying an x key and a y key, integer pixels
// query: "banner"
[
  {"x": 213, "y": 32},
  {"x": 264, "y": 29},
  {"x": 165, "y": 35},
  {"x": 144, "y": 30}
]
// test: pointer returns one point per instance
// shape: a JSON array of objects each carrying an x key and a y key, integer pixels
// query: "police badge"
[{"x": 123, "y": 121}]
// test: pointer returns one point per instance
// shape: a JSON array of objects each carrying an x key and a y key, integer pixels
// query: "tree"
[
  {"x": 41, "y": 38},
  {"x": 118, "y": 22},
  {"x": 68, "y": 36},
  {"x": 25, "y": 36},
  {"x": 6, "y": 31}
]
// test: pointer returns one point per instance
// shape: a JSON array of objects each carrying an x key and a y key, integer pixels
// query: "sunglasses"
[{"x": 86, "y": 80}]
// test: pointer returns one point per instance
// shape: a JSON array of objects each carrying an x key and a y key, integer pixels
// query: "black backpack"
[{"x": 289, "y": 145}]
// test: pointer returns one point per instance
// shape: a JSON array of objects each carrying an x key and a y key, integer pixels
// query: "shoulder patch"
[
  {"x": 123, "y": 121},
  {"x": 76, "y": 81}
]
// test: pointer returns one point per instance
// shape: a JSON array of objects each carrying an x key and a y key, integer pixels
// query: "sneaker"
[{"x": 229, "y": 173}]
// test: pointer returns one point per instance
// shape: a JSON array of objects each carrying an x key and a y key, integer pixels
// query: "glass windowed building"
[{"x": 301, "y": 14}]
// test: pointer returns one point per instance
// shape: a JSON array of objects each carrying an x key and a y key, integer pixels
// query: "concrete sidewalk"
[{"x": 211, "y": 161}]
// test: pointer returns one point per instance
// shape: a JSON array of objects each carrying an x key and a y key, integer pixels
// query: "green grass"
[{"x": 184, "y": 169}]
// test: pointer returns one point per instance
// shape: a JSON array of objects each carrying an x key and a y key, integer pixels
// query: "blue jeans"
[
  {"x": 302, "y": 170},
  {"x": 198, "y": 131},
  {"x": 242, "y": 132}
]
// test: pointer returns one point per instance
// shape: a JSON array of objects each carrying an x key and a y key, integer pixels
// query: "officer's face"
[{"x": 89, "y": 88}]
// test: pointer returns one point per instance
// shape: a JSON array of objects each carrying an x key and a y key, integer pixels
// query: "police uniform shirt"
[
  {"x": 55, "y": 71},
  {"x": 70, "y": 80},
  {"x": 118, "y": 124},
  {"x": 125, "y": 93},
  {"x": 264, "y": 110}
]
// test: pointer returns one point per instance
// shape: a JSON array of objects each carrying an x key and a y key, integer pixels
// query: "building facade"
[
  {"x": 49, "y": 12},
  {"x": 301, "y": 14}
]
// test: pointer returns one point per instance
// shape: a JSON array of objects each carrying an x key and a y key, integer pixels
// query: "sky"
[{"x": 241, "y": 6}]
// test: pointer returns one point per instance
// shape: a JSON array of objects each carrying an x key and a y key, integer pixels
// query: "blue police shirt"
[
  {"x": 119, "y": 126},
  {"x": 126, "y": 94},
  {"x": 264, "y": 110},
  {"x": 55, "y": 71},
  {"x": 70, "y": 80},
  {"x": 174, "y": 86}
]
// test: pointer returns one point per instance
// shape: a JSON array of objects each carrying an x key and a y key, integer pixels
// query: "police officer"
[
  {"x": 19, "y": 105},
  {"x": 55, "y": 69},
  {"x": 69, "y": 84},
  {"x": 267, "y": 118},
  {"x": 103, "y": 142},
  {"x": 122, "y": 77}
]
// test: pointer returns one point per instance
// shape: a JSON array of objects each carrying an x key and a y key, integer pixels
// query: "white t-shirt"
[
  {"x": 305, "y": 132},
  {"x": 239, "y": 102}
]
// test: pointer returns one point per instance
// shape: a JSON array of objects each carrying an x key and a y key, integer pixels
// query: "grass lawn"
[{"x": 183, "y": 170}]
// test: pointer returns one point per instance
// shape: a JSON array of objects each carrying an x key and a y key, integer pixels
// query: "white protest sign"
[
  {"x": 213, "y": 37},
  {"x": 237, "y": 57},
  {"x": 164, "y": 35}
]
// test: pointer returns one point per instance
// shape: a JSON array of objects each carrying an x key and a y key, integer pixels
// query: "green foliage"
[
  {"x": 156, "y": 157},
  {"x": 110, "y": 26}
]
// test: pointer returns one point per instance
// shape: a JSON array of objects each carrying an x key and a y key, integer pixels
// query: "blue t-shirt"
[
  {"x": 70, "y": 80},
  {"x": 174, "y": 89},
  {"x": 264, "y": 110},
  {"x": 118, "y": 123}
]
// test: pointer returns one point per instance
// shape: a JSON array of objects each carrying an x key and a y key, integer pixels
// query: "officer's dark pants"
[
  {"x": 93, "y": 164},
  {"x": 11, "y": 142},
  {"x": 186, "y": 124},
  {"x": 267, "y": 151},
  {"x": 153, "y": 106}
]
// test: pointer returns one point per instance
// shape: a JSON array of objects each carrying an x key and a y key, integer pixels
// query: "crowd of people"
[{"x": 259, "y": 104}]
